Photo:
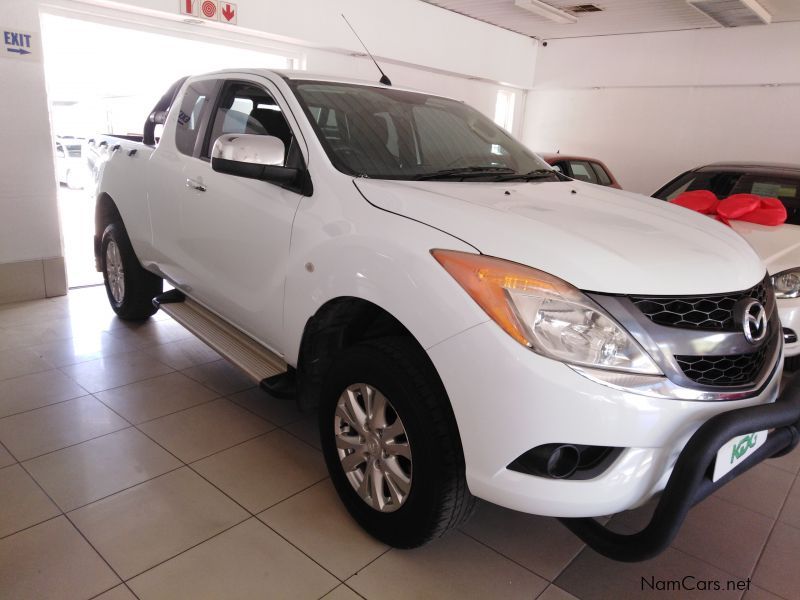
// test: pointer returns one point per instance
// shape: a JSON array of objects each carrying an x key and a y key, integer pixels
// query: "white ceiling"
[{"x": 618, "y": 16}]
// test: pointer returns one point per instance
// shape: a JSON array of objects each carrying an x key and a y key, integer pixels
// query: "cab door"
[{"x": 234, "y": 234}]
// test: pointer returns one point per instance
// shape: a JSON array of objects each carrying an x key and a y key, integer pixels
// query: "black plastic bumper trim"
[{"x": 690, "y": 481}]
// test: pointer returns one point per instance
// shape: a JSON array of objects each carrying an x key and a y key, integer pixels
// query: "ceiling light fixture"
[
  {"x": 545, "y": 10},
  {"x": 733, "y": 13}
]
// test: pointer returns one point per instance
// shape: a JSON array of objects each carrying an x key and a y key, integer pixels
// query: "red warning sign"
[
  {"x": 209, "y": 9},
  {"x": 228, "y": 12}
]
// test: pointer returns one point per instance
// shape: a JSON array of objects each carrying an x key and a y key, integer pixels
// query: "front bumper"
[
  {"x": 690, "y": 481},
  {"x": 507, "y": 400},
  {"x": 789, "y": 312}
]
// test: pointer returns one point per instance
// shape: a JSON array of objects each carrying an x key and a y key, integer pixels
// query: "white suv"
[{"x": 468, "y": 321}]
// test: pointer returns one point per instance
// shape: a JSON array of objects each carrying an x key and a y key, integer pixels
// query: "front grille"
[
  {"x": 734, "y": 369},
  {"x": 714, "y": 312}
]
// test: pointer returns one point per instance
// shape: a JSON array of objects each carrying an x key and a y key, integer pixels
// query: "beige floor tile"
[
  {"x": 83, "y": 347},
  {"x": 341, "y": 592},
  {"x": 790, "y": 462},
  {"x": 455, "y": 566},
  {"x": 202, "y": 430},
  {"x": 32, "y": 334},
  {"x": 23, "y": 503},
  {"x": 553, "y": 592},
  {"x": 22, "y": 313},
  {"x": 791, "y": 510},
  {"x": 264, "y": 471},
  {"x": 21, "y": 361},
  {"x": 156, "y": 397},
  {"x": 114, "y": 371},
  {"x": 756, "y": 593},
  {"x": 57, "y": 426},
  {"x": 279, "y": 411},
  {"x": 247, "y": 561},
  {"x": 221, "y": 376},
  {"x": 183, "y": 354},
  {"x": 307, "y": 429},
  {"x": 151, "y": 332},
  {"x": 52, "y": 560},
  {"x": 36, "y": 390},
  {"x": 118, "y": 593},
  {"x": 762, "y": 489},
  {"x": 316, "y": 522},
  {"x": 142, "y": 526},
  {"x": 706, "y": 534},
  {"x": 5, "y": 457},
  {"x": 778, "y": 571},
  {"x": 540, "y": 544},
  {"x": 86, "y": 472},
  {"x": 594, "y": 577}
]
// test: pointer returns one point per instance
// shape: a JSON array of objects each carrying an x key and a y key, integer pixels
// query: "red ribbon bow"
[{"x": 739, "y": 207}]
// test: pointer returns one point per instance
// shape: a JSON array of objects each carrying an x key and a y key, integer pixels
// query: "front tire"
[
  {"x": 130, "y": 287},
  {"x": 391, "y": 443}
]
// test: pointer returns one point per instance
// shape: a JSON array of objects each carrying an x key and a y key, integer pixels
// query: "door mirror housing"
[{"x": 258, "y": 157}]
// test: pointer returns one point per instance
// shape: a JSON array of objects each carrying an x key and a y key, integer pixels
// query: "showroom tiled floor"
[{"x": 134, "y": 462}]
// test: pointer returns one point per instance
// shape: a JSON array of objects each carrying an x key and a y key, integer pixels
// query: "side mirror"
[
  {"x": 253, "y": 156},
  {"x": 557, "y": 168}
]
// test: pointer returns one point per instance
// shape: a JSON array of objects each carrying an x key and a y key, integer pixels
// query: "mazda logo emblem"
[{"x": 753, "y": 319}]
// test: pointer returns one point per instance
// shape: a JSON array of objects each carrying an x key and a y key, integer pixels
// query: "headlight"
[
  {"x": 787, "y": 283},
  {"x": 546, "y": 314}
]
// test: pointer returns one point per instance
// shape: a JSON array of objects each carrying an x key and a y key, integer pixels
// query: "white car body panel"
[
  {"x": 371, "y": 239},
  {"x": 779, "y": 248}
]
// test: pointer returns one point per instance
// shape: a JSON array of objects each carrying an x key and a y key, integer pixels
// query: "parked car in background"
[
  {"x": 779, "y": 247},
  {"x": 70, "y": 165},
  {"x": 582, "y": 168}
]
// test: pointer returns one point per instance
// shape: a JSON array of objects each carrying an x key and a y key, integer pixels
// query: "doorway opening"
[{"x": 105, "y": 78}]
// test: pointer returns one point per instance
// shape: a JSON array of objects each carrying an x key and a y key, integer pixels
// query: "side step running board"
[{"x": 242, "y": 350}]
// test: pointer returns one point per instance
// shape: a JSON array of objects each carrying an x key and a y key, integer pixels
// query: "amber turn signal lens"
[{"x": 488, "y": 280}]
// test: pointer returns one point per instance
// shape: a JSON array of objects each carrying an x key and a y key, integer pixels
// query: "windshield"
[{"x": 389, "y": 134}]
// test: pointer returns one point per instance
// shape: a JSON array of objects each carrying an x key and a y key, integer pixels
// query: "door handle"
[{"x": 195, "y": 185}]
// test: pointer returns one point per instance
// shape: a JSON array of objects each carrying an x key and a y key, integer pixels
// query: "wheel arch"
[
  {"x": 105, "y": 213},
  {"x": 337, "y": 324}
]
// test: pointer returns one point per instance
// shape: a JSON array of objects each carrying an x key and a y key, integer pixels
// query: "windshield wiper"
[
  {"x": 465, "y": 172},
  {"x": 529, "y": 176}
]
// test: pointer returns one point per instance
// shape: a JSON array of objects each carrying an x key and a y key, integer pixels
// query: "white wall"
[
  {"x": 28, "y": 213},
  {"x": 653, "y": 105}
]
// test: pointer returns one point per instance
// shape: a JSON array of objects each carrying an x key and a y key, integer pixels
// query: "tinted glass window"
[
  {"x": 193, "y": 106},
  {"x": 602, "y": 176},
  {"x": 583, "y": 171},
  {"x": 248, "y": 108},
  {"x": 391, "y": 134},
  {"x": 786, "y": 189},
  {"x": 720, "y": 183}
]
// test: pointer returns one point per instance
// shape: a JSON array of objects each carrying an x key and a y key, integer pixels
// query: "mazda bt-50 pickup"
[{"x": 469, "y": 322}]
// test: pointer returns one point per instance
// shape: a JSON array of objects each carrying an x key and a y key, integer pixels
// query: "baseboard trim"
[{"x": 32, "y": 279}]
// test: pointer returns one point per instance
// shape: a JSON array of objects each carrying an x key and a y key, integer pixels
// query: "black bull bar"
[{"x": 690, "y": 481}]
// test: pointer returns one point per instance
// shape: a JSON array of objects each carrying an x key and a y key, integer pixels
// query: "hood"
[
  {"x": 778, "y": 247},
  {"x": 596, "y": 238}
]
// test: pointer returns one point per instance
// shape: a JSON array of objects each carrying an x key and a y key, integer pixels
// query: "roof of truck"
[{"x": 295, "y": 75}]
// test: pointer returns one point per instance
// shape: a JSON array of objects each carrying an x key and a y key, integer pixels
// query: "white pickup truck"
[{"x": 469, "y": 322}]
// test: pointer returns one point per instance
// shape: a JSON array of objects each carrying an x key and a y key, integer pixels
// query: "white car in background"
[
  {"x": 778, "y": 246},
  {"x": 70, "y": 163},
  {"x": 468, "y": 321}
]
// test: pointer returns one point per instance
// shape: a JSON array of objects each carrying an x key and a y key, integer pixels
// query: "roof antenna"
[{"x": 384, "y": 79}]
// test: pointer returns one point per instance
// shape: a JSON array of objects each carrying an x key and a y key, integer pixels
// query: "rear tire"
[
  {"x": 411, "y": 447},
  {"x": 130, "y": 287}
]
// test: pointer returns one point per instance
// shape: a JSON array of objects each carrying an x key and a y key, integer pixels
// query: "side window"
[
  {"x": 193, "y": 107},
  {"x": 583, "y": 171},
  {"x": 602, "y": 176},
  {"x": 249, "y": 108}
]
